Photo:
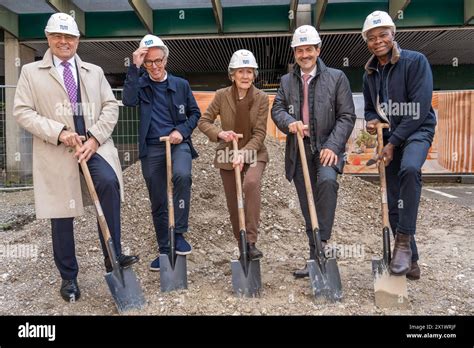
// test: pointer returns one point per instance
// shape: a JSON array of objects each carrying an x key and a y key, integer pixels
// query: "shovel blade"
[
  {"x": 246, "y": 285},
  {"x": 390, "y": 291},
  {"x": 173, "y": 278},
  {"x": 125, "y": 289},
  {"x": 379, "y": 267},
  {"x": 325, "y": 284}
]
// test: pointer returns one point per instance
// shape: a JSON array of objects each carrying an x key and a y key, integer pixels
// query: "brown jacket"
[
  {"x": 223, "y": 105},
  {"x": 42, "y": 107}
]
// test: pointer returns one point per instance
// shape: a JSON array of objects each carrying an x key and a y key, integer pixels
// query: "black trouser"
[
  {"x": 324, "y": 185},
  {"x": 154, "y": 172},
  {"x": 404, "y": 188},
  {"x": 108, "y": 190}
]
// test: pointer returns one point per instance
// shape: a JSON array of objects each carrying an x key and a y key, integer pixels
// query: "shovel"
[
  {"x": 323, "y": 271},
  {"x": 390, "y": 290},
  {"x": 122, "y": 282},
  {"x": 246, "y": 279},
  {"x": 173, "y": 273}
]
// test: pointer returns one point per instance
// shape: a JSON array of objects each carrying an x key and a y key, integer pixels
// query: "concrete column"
[{"x": 18, "y": 142}]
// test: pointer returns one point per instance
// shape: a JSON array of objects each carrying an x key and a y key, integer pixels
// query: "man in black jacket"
[
  {"x": 398, "y": 88},
  {"x": 321, "y": 98}
]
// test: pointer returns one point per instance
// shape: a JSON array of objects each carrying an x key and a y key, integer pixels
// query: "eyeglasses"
[{"x": 157, "y": 62}]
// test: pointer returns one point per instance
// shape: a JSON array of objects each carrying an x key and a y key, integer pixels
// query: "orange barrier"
[
  {"x": 452, "y": 148},
  {"x": 455, "y": 131}
]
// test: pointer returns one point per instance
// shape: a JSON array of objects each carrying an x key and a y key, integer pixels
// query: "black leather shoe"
[
  {"x": 124, "y": 262},
  {"x": 70, "y": 290},
  {"x": 301, "y": 273},
  {"x": 254, "y": 253}
]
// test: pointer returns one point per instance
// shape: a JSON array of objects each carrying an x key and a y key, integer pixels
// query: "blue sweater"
[
  {"x": 182, "y": 105},
  {"x": 409, "y": 89}
]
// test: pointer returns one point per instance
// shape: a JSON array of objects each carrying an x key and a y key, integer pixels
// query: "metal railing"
[{"x": 16, "y": 143}]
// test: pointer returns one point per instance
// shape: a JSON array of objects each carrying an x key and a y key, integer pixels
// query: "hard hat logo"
[
  {"x": 377, "y": 21},
  {"x": 303, "y": 39},
  {"x": 148, "y": 42},
  {"x": 64, "y": 27}
]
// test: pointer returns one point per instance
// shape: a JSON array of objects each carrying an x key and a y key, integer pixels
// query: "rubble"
[{"x": 282, "y": 239}]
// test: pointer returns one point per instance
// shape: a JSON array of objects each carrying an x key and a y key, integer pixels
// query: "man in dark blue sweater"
[
  {"x": 398, "y": 87},
  {"x": 167, "y": 108}
]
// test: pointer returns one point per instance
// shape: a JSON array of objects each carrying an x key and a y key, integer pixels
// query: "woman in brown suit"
[{"x": 243, "y": 109}]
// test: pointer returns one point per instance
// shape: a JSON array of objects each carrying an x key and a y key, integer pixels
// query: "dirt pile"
[{"x": 446, "y": 287}]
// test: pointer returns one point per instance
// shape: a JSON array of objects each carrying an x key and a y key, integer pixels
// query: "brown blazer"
[{"x": 223, "y": 105}]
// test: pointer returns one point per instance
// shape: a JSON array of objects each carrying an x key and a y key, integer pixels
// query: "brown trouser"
[{"x": 251, "y": 178}]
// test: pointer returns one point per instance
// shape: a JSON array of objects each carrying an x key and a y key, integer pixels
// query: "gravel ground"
[{"x": 30, "y": 285}]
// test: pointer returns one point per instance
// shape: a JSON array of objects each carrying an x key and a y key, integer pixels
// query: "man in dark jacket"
[
  {"x": 398, "y": 87},
  {"x": 167, "y": 108},
  {"x": 321, "y": 98}
]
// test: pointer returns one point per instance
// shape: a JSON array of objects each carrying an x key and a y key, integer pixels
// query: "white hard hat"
[
  {"x": 154, "y": 41},
  {"x": 305, "y": 35},
  {"x": 377, "y": 19},
  {"x": 242, "y": 59},
  {"x": 62, "y": 23}
]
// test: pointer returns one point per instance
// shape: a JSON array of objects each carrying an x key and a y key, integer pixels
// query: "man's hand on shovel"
[
  {"x": 297, "y": 126},
  {"x": 386, "y": 155},
  {"x": 87, "y": 150}
]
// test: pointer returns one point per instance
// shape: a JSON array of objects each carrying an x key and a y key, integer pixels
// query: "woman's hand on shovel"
[
  {"x": 238, "y": 161},
  {"x": 227, "y": 136}
]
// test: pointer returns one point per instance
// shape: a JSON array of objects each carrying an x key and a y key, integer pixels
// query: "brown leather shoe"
[
  {"x": 401, "y": 260},
  {"x": 414, "y": 272},
  {"x": 301, "y": 273},
  {"x": 254, "y": 253}
]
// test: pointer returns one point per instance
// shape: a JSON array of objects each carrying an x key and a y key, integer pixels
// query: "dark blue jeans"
[
  {"x": 325, "y": 186},
  {"x": 404, "y": 187},
  {"x": 108, "y": 190},
  {"x": 154, "y": 172}
]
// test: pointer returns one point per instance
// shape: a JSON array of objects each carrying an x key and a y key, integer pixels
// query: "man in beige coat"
[{"x": 65, "y": 102}]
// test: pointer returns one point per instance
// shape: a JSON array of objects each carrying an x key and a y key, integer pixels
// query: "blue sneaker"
[
  {"x": 182, "y": 247},
  {"x": 155, "y": 265}
]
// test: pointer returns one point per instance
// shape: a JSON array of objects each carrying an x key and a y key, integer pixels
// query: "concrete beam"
[
  {"x": 144, "y": 12},
  {"x": 319, "y": 12},
  {"x": 394, "y": 6},
  {"x": 217, "y": 9},
  {"x": 9, "y": 21},
  {"x": 468, "y": 12},
  {"x": 67, "y": 6},
  {"x": 293, "y": 14}
]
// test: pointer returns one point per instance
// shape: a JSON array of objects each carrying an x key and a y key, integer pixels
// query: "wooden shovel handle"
[
  {"x": 381, "y": 167},
  {"x": 238, "y": 185},
  {"x": 307, "y": 181},
  {"x": 169, "y": 180},
  {"x": 95, "y": 198}
]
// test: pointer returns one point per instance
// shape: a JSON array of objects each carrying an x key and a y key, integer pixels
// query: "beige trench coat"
[{"x": 42, "y": 107}]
